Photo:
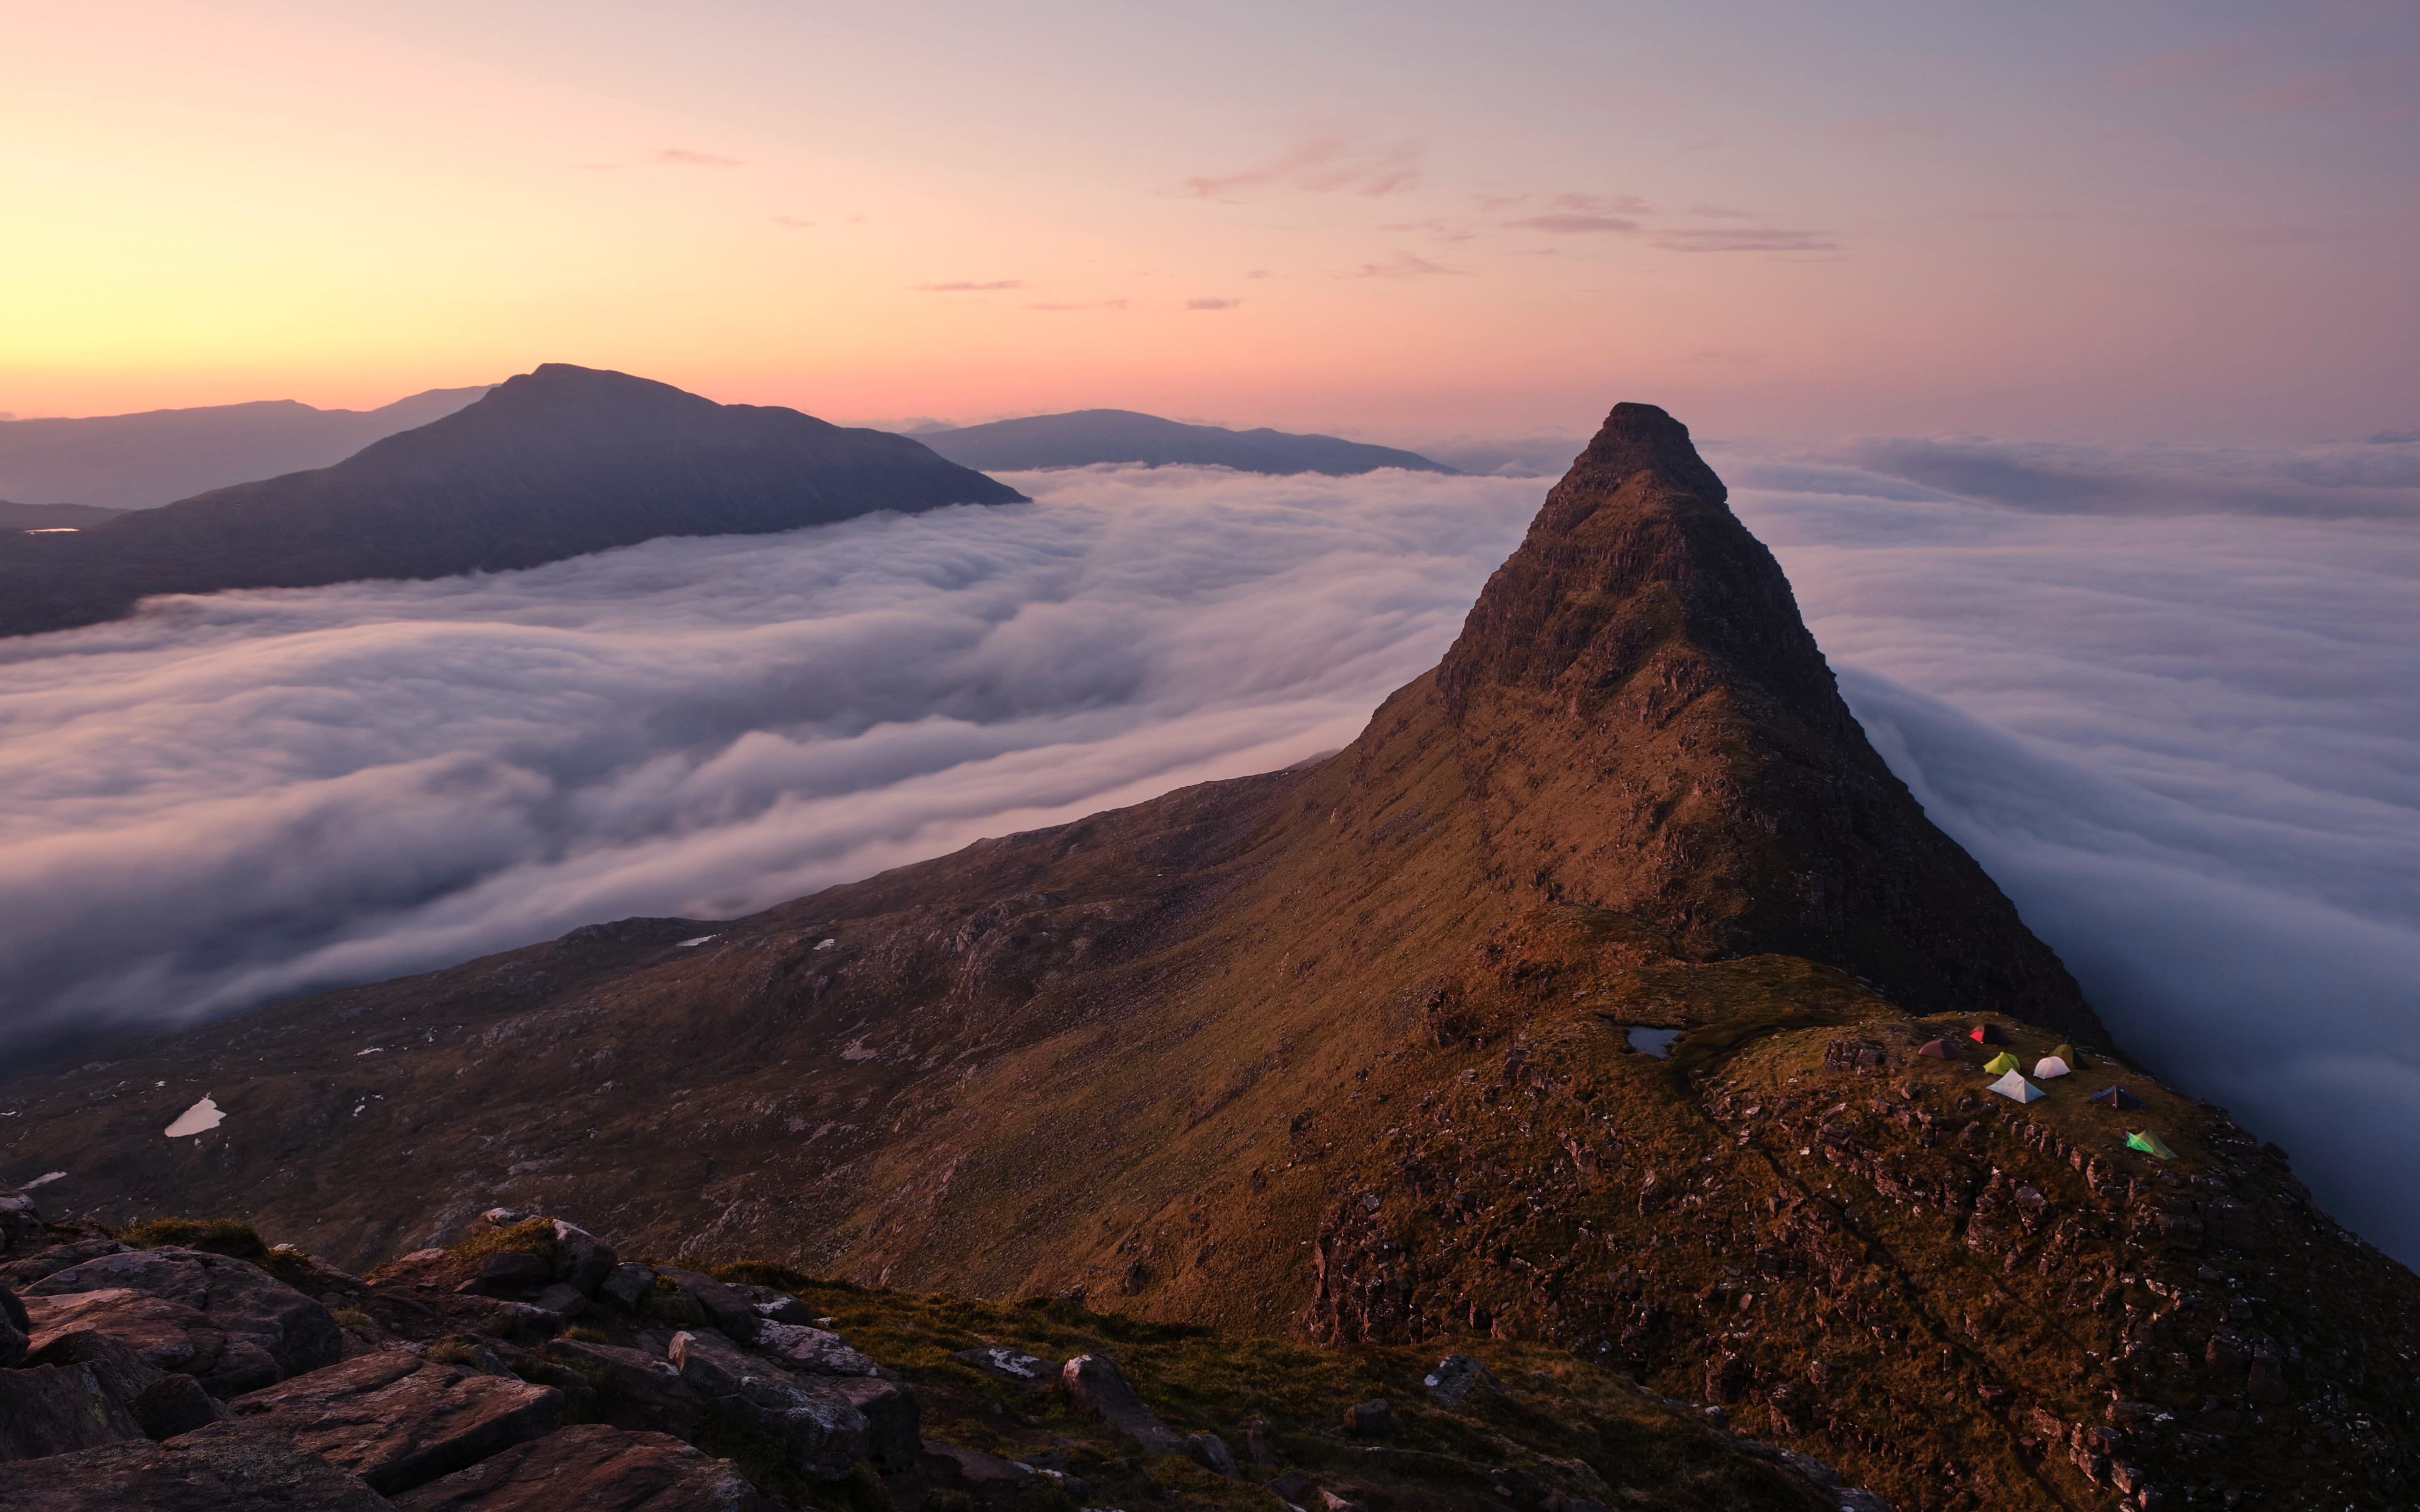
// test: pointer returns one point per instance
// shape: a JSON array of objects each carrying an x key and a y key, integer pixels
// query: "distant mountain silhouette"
[
  {"x": 53, "y": 517},
  {"x": 143, "y": 460},
  {"x": 1084, "y": 437},
  {"x": 551, "y": 463}
]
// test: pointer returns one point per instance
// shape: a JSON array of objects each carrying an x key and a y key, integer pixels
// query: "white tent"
[
  {"x": 2050, "y": 1066},
  {"x": 2015, "y": 1085}
]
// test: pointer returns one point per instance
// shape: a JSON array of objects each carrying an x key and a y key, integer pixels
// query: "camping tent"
[
  {"x": 2050, "y": 1066},
  {"x": 2067, "y": 1053},
  {"x": 2003, "y": 1061},
  {"x": 2117, "y": 1097},
  {"x": 2150, "y": 1142},
  {"x": 2015, "y": 1085},
  {"x": 1988, "y": 1034},
  {"x": 1941, "y": 1050}
]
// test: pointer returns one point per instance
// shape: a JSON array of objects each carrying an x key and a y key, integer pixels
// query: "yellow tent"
[
  {"x": 2067, "y": 1053},
  {"x": 2149, "y": 1143},
  {"x": 2003, "y": 1061}
]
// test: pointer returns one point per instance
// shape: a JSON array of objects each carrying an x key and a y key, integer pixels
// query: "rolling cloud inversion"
[{"x": 2170, "y": 700}]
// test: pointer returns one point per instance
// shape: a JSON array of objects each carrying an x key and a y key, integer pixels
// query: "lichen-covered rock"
[
  {"x": 810, "y": 1352},
  {"x": 594, "y": 1468},
  {"x": 57, "y": 1409},
  {"x": 242, "y": 1301},
  {"x": 1455, "y": 1376},
  {"x": 823, "y": 1432}
]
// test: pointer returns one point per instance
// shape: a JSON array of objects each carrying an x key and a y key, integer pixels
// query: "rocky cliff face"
[
  {"x": 551, "y": 463},
  {"x": 1347, "y": 1052}
]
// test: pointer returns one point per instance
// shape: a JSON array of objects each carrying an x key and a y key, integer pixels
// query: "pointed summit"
[{"x": 1647, "y": 726}]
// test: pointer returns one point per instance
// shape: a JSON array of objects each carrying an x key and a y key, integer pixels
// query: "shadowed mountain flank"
[
  {"x": 1347, "y": 1052},
  {"x": 554, "y": 463},
  {"x": 1082, "y": 438}
]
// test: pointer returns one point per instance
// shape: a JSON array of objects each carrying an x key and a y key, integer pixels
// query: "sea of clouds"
[{"x": 2171, "y": 700}]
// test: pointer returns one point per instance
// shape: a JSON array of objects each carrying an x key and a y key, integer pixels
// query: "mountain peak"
[{"x": 1639, "y": 704}]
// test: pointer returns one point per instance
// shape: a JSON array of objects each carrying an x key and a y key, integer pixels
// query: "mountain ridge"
[
  {"x": 148, "y": 458},
  {"x": 553, "y": 463},
  {"x": 1084, "y": 438}
]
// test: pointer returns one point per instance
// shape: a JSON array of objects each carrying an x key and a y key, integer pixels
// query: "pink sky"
[{"x": 2189, "y": 222}]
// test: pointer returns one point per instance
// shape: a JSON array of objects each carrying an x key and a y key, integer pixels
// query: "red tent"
[
  {"x": 1941, "y": 1050},
  {"x": 1988, "y": 1034}
]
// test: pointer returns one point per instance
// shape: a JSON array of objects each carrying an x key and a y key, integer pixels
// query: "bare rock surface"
[
  {"x": 592, "y": 1467},
  {"x": 218, "y": 1469},
  {"x": 244, "y": 1303},
  {"x": 397, "y": 1421}
]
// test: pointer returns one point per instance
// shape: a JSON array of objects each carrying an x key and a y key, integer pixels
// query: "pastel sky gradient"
[{"x": 2185, "y": 220}]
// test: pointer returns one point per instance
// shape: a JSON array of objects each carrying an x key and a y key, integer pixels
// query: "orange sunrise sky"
[{"x": 2192, "y": 222}]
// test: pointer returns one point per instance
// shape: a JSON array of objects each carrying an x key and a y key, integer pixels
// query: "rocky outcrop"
[
  {"x": 397, "y": 1421},
  {"x": 592, "y": 1468},
  {"x": 265, "y": 1329}
]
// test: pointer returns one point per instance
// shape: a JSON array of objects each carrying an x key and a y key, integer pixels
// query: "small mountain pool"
[{"x": 1656, "y": 1043}]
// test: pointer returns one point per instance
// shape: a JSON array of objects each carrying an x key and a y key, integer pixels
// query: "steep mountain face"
[
  {"x": 551, "y": 463},
  {"x": 142, "y": 460},
  {"x": 1347, "y": 1051},
  {"x": 1085, "y": 437}
]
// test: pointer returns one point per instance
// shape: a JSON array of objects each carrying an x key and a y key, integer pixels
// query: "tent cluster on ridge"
[{"x": 2062, "y": 1062}]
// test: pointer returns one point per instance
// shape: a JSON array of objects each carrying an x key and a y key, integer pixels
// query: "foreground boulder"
[
  {"x": 51, "y": 1409},
  {"x": 397, "y": 1421},
  {"x": 1096, "y": 1384},
  {"x": 217, "y": 1469},
  {"x": 257, "y": 1317},
  {"x": 594, "y": 1468},
  {"x": 168, "y": 1335}
]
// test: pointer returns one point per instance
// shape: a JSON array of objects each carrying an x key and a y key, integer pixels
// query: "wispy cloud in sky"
[
  {"x": 967, "y": 287},
  {"x": 1212, "y": 304},
  {"x": 1322, "y": 163},
  {"x": 683, "y": 158},
  {"x": 1407, "y": 264}
]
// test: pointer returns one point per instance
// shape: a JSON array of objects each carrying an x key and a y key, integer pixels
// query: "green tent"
[
  {"x": 2149, "y": 1143},
  {"x": 2074, "y": 1061},
  {"x": 2003, "y": 1061}
]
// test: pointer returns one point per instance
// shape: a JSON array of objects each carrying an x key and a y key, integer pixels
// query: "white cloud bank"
[
  {"x": 250, "y": 795},
  {"x": 2175, "y": 710}
]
